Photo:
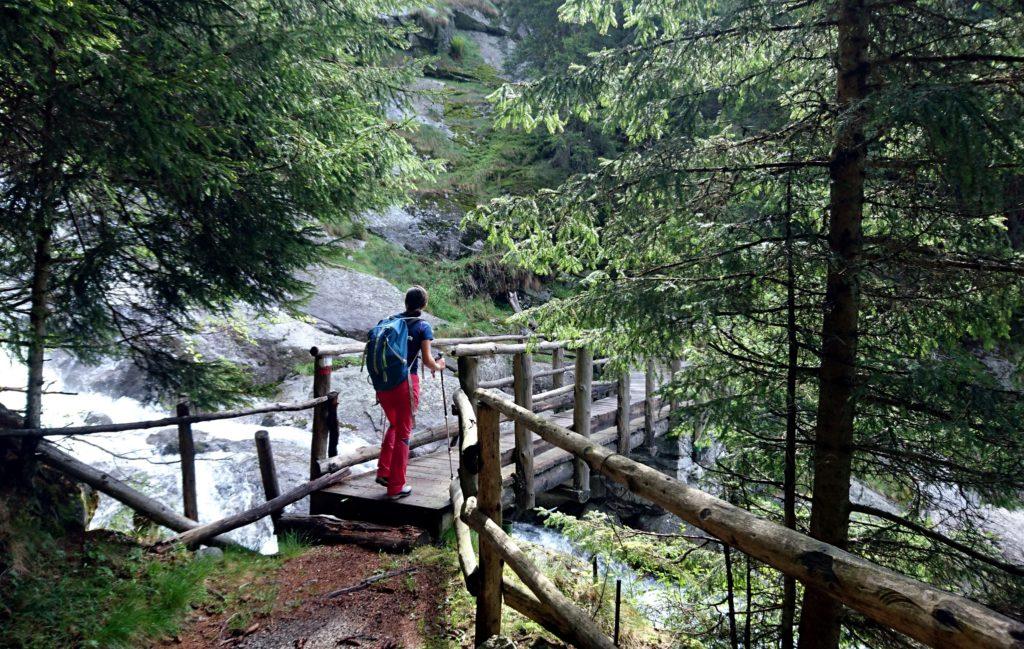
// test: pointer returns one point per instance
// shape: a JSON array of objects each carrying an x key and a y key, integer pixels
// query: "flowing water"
[{"x": 227, "y": 474}]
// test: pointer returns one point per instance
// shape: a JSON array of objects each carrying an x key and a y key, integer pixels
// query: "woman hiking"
[{"x": 400, "y": 400}]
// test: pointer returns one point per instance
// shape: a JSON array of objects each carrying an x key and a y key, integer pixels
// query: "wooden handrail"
[
  {"x": 587, "y": 632},
  {"x": 493, "y": 348},
  {"x": 444, "y": 343},
  {"x": 160, "y": 423},
  {"x": 923, "y": 612}
]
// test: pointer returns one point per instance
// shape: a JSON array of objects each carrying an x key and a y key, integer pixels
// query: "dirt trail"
[{"x": 405, "y": 610}]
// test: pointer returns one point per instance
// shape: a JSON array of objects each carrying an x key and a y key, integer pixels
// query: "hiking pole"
[{"x": 447, "y": 435}]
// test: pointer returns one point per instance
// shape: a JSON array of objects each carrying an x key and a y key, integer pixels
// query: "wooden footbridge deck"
[{"x": 429, "y": 506}]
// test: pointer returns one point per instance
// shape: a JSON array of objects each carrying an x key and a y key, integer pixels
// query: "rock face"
[
  {"x": 271, "y": 347},
  {"x": 349, "y": 303},
  {"x": 424, "y": 229}
]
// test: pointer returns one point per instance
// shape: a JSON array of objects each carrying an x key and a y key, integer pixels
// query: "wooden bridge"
[{"x": 622, "y": 413}]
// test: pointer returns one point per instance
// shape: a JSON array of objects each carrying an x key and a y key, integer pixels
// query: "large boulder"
[
  {"x": 477, "y": 17},
  {"x": 349, "y": 303}
]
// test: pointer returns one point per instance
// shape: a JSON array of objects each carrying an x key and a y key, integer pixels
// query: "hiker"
[{"x": 392, "y": 358}]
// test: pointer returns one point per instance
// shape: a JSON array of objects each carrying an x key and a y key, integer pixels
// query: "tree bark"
[
  {"x": 788, "y": 614},
  {"x": 830, "y": 502},
  {"x": 488, "y": 601},
  {"x": 324, "y": 529},
  {"x": 38, "y": 314}
]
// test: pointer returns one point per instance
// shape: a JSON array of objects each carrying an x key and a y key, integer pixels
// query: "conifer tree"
[
  {"x": 815, "y": 211},
  {"x": 164, "y": 158}
]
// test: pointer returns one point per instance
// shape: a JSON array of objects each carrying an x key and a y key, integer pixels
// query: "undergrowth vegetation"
[{"x": 107, "y": 591}]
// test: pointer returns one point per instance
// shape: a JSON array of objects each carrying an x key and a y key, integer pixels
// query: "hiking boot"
[
  {"x": 382, "y": 481},
  {"x": 406, "y": 490}
]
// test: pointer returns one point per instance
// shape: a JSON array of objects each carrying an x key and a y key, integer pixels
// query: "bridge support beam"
[
  {"x": 522, "y": 373},
  {"x": 650, "y": 386},
  {"x": 622, "y": 413}
]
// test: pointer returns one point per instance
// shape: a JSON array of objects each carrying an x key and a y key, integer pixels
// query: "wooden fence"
[{"x": 927, "y": 614}]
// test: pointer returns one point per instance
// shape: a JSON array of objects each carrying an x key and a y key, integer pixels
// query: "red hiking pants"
[{"x": 394, "y": 450}]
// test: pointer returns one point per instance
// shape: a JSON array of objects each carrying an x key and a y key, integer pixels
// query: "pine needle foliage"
[{"x": 159, "y": 160}]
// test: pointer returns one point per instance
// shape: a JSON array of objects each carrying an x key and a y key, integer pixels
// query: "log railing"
[{"x": 934, "y": 617}]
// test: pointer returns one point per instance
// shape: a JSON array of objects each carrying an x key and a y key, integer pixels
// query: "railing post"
[
  {"x": 332, "y": 423},
  {"x": 322, "y": 368},
  {"x": 557, "y": 361},
  {"x": 583, "y": 392},
  {"x": 522, "y": 373},
  {"x": 268, "y": 471},
  {"x": 488, "y": 602},
  {"x": 675, "y": 366},
  {"x": 187, "y": 451},
  {"x": 622, "y": 413},
  {"x": 469, "y": 380},
  {"x": 650, "y": 386}
]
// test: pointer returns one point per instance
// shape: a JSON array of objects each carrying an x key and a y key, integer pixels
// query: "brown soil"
[{"x": 400, "y": 611}]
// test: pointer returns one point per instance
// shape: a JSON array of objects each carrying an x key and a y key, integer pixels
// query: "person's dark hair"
[{"x": 415, "y": 300}]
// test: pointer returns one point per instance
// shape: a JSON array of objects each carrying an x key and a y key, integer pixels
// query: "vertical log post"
[
  {"x": 321, "y": 387},
  {"x": 187, "y": 451},
  {"x": 650, "y": 386},
  {"x": 488, "y": 602},
  {"x": 522, "y": 377},
  {"x": 622, "y": 413},
  {"x": 268, "y": 471},
  {"x": 332, "y": 423},
  {"x": 469, "y": 380},
  {"x": 675, "y": 365},
  {"x": 557, "y": 361},
  {"x": 583, "y": 393}
]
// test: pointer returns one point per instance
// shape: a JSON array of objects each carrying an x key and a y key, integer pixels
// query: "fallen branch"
[
  {"x": 324, "y": 529},
  {"x": 200, "y": 534},
  {"x": 369, "y": 581}
]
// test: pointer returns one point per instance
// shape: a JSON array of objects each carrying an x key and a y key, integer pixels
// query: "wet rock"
[
  {"x": 435, "y": 29},
  {"x": 165, "y": 441},
  {"x": 212, "y": 554},
  {"x": 97, "y": 419},
  {"x": 425, "y": 105}
]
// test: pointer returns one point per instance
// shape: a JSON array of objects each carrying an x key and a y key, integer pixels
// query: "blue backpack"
[{"x": 386, "y": 353}]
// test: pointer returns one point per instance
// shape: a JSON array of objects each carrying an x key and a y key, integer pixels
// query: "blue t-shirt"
[{"x": 419, "y": 330}]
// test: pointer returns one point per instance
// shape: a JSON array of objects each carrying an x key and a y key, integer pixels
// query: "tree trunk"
[
  {"x": 39, "y": 310},
  {"x": 830, "y": 503},
  {"x": 789, "y": 480}
]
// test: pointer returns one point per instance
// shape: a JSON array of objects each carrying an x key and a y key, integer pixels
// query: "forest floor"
[{"x": 291, "y": 606}]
